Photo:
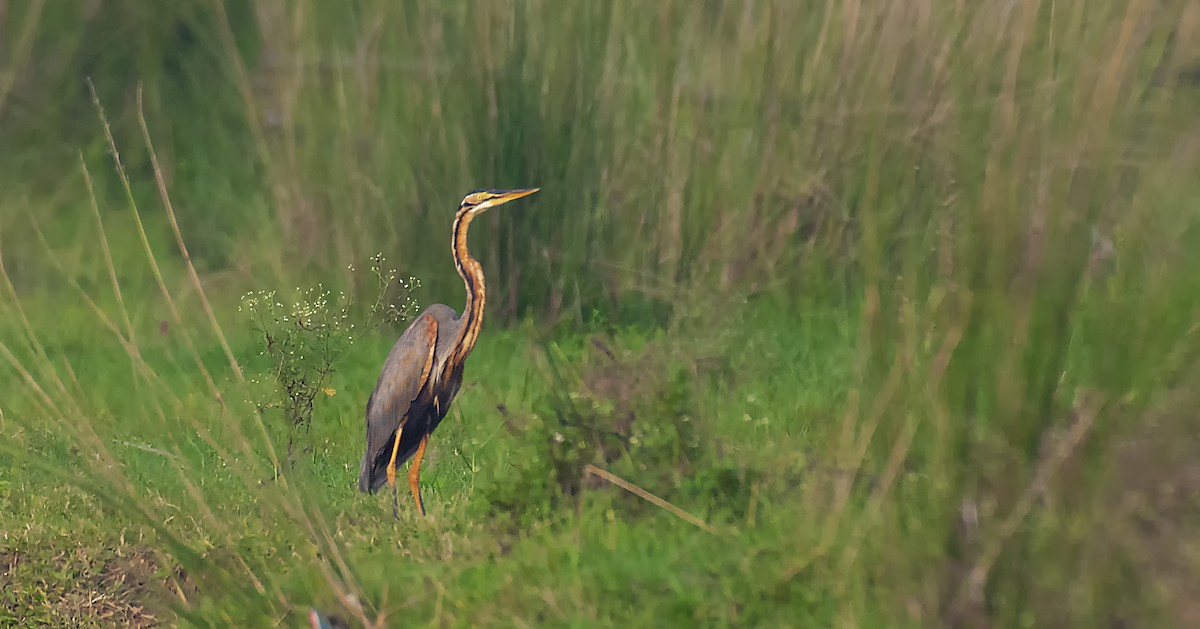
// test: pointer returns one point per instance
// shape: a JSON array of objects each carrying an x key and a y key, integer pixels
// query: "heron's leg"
[
  {"x": 391, "y": 474},
  {"x": 414, "y": 475}
]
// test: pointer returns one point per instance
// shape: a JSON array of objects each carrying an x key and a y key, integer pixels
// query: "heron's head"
[{"x": 479, "y": 201}]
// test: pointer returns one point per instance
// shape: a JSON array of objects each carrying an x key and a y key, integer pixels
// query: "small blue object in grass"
[{"x": 319, "y": 621}]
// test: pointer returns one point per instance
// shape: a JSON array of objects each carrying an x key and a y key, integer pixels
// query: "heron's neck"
[{"x": 472, "y": 274}]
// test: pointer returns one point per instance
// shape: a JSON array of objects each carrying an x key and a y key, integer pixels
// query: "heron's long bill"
[{"x": 504, "y": 196}]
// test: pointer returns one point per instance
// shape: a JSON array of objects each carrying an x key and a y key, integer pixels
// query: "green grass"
[
  {"x": 465, "y": 552},
  {"x": 818, "y": 277}
]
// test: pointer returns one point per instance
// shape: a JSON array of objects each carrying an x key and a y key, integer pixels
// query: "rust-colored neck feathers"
[{"x": 472, "y": 275}]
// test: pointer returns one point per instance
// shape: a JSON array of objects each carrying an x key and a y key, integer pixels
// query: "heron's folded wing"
[{"x": 404, "y": 374}]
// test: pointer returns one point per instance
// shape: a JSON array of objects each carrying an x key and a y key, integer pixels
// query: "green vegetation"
[{"x": 826, "y": 314}]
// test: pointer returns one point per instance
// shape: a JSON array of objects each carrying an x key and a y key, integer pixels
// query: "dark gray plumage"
[{"x": 400, "y": 382}]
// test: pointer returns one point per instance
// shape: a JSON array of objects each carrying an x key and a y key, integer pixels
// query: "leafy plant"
[{"x": 304, "y": 339}]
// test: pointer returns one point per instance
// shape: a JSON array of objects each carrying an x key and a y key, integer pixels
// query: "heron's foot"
[
  {"x": 395, "y": 502},
  {"x": 420, "y": 503}
]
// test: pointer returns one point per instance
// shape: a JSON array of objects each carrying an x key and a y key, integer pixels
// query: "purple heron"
[{"x": 424, "y": 370}]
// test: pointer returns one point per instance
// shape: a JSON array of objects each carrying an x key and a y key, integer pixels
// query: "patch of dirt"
[
  {"x": 137, "y": 578},
  {"x": 82, "y": 588}
]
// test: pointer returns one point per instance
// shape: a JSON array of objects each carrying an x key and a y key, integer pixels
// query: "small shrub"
[
  {"x": 631, "y": 414},
  {"x": 303, "y": 340}
]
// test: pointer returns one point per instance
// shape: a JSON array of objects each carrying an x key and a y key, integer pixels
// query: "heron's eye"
[{"x": 475, "y": 198}]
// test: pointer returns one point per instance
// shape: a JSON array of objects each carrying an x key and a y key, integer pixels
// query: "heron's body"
[
  {"x": 423, "y": 372},
  {"x": 409, "y": 355}
]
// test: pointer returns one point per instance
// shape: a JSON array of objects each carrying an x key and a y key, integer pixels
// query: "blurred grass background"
[{"x": 898, "y": 297}]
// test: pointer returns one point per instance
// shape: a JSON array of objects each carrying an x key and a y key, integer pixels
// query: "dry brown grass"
[{"x": 85, "y": 588}]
